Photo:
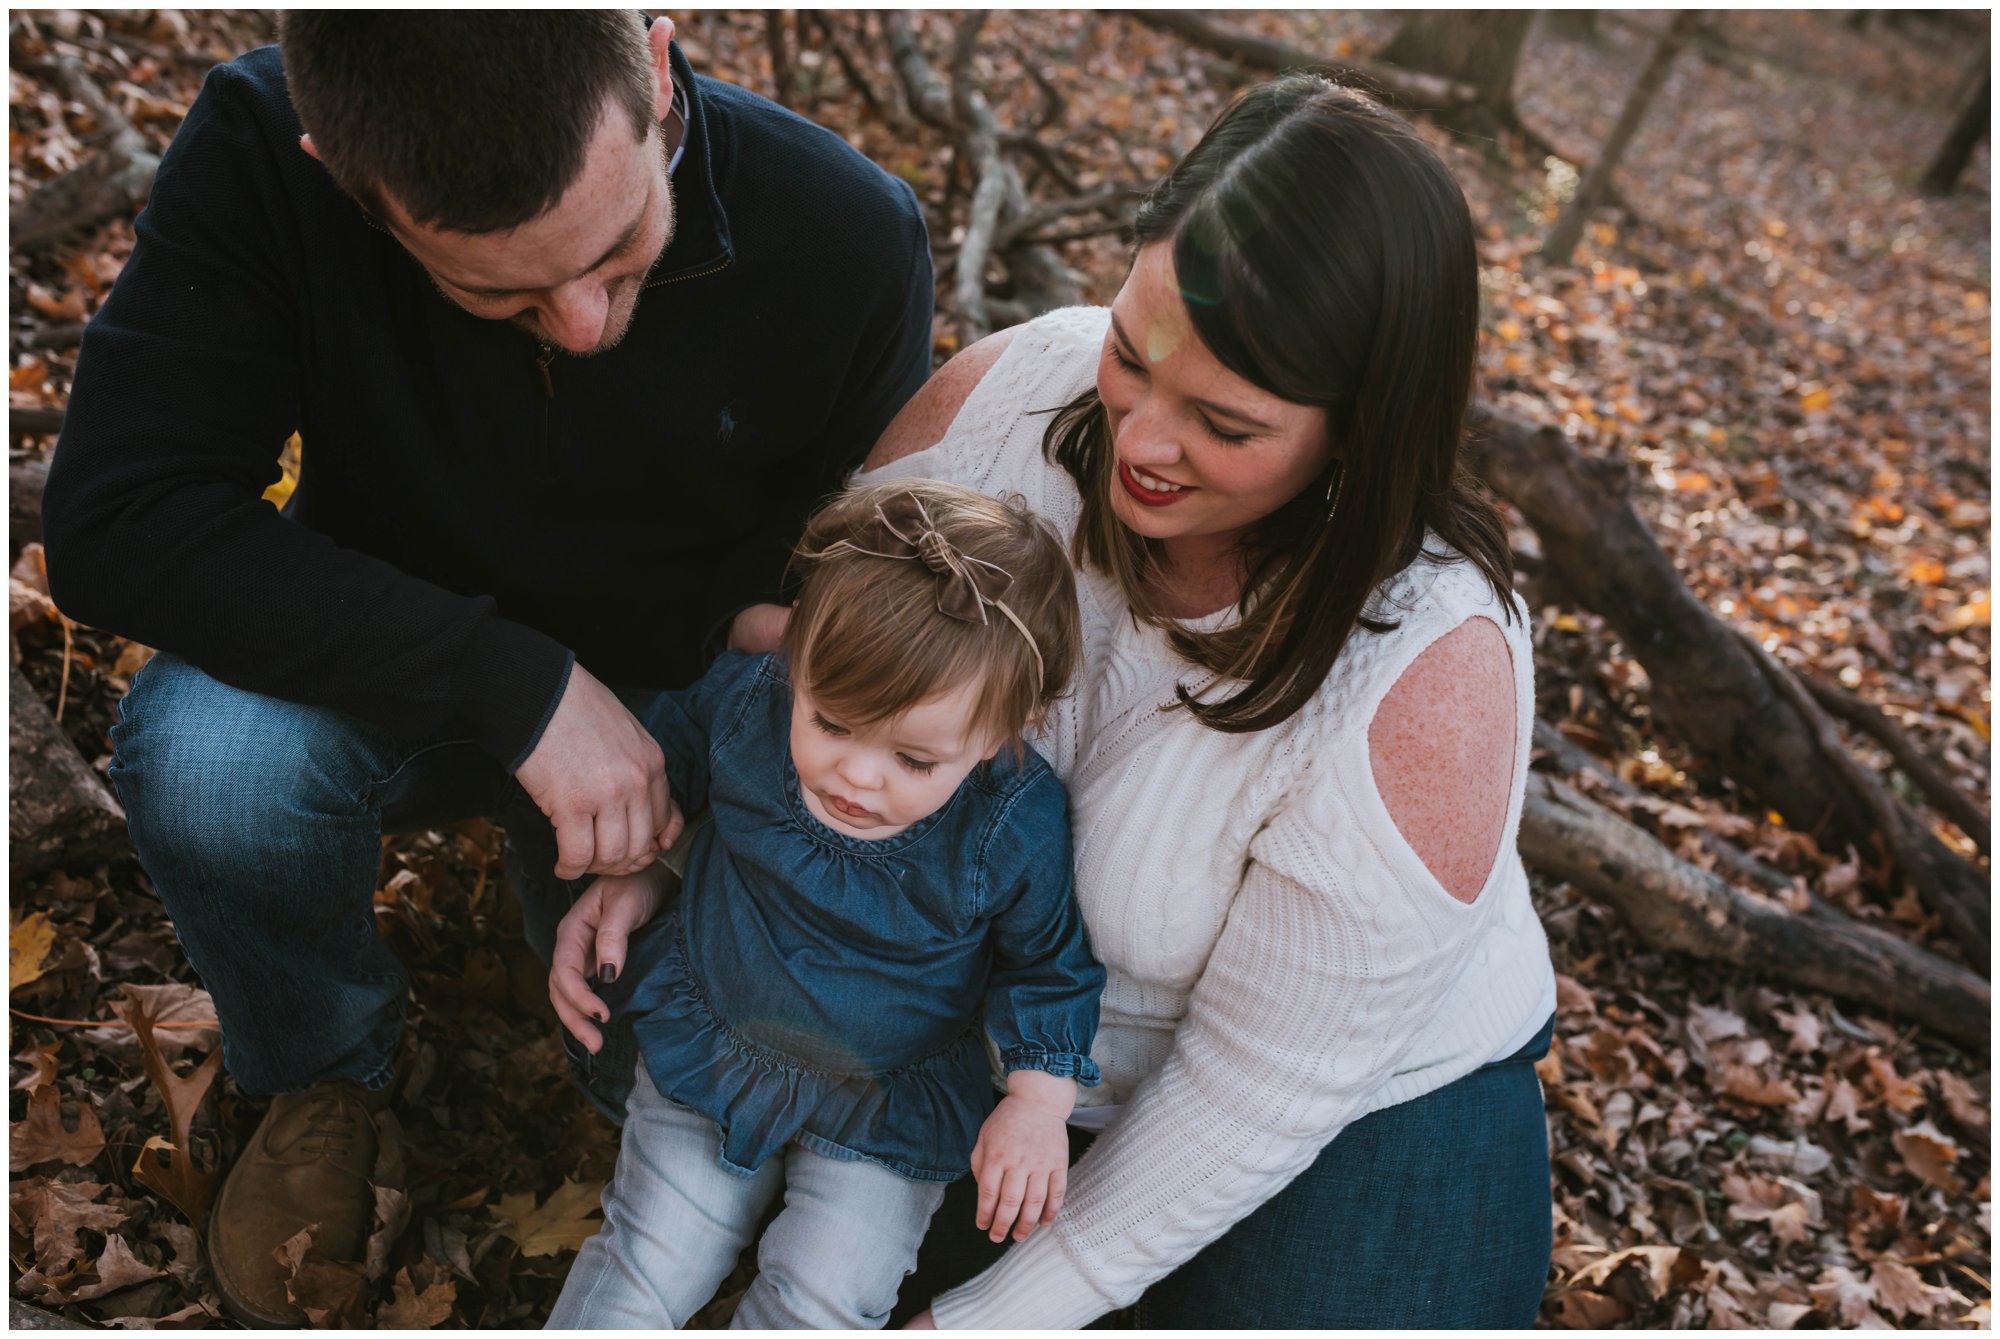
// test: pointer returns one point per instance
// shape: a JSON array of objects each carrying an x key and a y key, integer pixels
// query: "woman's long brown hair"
[{"x": 1324, "y": 254}]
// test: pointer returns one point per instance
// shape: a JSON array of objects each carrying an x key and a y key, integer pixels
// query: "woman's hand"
[
  {"x": 759, "y": 628},
  {"x": 592, "y": 937},
  {"x": 1022, "y": 1158},
  {"x": 921, "y": 1321}
]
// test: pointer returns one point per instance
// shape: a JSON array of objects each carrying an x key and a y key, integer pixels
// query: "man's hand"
[
  {"x": 602, "y": 781},
  {"x": 1022, "y": 1158},
  {"x": 591, "y": 941},
  {"x": 759, "y": 628}
]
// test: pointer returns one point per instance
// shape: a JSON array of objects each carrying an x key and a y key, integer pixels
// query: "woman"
[{"x": 1296, "y": 754}]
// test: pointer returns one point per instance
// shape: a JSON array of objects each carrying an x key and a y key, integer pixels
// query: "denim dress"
[{"x": 814, "y": 987}]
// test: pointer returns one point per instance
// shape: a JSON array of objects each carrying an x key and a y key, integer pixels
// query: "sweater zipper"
[
  {"x": 722, "y": 264},
  {"x": 546, "y": 455}
]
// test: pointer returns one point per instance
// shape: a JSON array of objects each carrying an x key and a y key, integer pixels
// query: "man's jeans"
[{"x": 259, "y": 822}]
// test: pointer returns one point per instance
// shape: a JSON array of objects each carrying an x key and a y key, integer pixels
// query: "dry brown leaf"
[
  {"x": 41, "y": 1137},
  {"x": 167, "y": 1166},
  {"x": 1746, "y": 1084},
  {"x": 40, "y": 1058},
  {"x": 29, "y": 939},
  {"x": 329, "y": 1292},
  {"x": 1582, "y": 1309},
  {"x": 1930, "y": 1155},
  {"x": 1901, "y": 1095},
  {"x": 169, "y": 1003},
  {"x": 413, "y": 1310},
  {"x": 1804, "y": 1027},
  {"x": 1848, "y": 1299},
  {"x": 563, "y": 1222},
  {"x": 1963, "y": 1101},
  {"x": 118, "y": 1268},
  {"x": 1901, "y": 1291},
  {"x": 55, "y": 1211}
]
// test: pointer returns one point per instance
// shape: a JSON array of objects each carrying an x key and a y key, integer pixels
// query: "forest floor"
[{"x": 1789, "y": 345}]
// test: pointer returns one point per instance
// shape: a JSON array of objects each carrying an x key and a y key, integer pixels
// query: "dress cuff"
[
  {"x": 1062, "y": 1064},
  {"x": 1036, "y": 1286}
]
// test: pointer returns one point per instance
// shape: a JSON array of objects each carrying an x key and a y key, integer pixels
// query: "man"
[{"x": 573, "y": 340}]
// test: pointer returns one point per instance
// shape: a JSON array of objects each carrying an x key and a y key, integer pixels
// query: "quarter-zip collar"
[{"x": 701, "y": 227}]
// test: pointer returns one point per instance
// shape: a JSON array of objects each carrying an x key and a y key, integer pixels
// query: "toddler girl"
[{"x": 884, "y": 884}]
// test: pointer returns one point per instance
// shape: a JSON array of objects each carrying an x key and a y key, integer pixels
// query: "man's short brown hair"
[{"x": 475, "y": 121}]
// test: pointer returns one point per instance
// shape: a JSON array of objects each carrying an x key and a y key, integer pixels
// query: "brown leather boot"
[{"x": 308, "y": 1165}]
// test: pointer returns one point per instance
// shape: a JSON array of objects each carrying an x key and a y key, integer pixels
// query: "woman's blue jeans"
[
  {"x": 1431, "y": 1214},
  {"x": 259, "y": 822}
]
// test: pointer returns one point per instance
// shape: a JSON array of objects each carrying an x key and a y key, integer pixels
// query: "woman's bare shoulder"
[{"x": 924, "y": 419}]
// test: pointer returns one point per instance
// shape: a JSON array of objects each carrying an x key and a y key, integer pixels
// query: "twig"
[
  {"x": 1046, "y": 155},
  {"x": 1865, "y": 785},
  {"x": 1054, "y": 104},
  {"x": 1930, "y": 778},
  {"x": 856, "y": 80},
  {"x": 781, "y": 62},
  {"x": 109, "y": 1022},
  {"x": 62, "y": 692},
  {"x": 1043, "y": 213},
  {"x": 1078, "y": 234}
]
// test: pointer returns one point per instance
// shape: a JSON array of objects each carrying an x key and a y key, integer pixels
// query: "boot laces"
[{"x": 331, "y": 1125}]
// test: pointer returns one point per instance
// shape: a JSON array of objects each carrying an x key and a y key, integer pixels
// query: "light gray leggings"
[{"x": 675, "y": 1221}]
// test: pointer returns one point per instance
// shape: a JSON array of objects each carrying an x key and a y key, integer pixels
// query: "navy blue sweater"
[{"x": 462, "y": 531}]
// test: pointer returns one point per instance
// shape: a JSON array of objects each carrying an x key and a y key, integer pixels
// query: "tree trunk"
[
  {"x": 1718, "y": 693},
  {"x": 57, "y": 809},
  {"x": 1561, "y": 242},
  {"x": 1671, "y": 904},
  {"x": 1572, "y": 25},
  {"x": 1942, "y": 179},
  {"x": 1480, "y": 47}
]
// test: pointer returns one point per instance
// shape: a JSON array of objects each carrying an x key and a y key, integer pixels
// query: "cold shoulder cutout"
[{"x": 1442, "y": 748}]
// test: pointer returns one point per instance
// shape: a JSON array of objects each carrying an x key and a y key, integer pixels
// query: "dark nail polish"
[{"x": 606, "y": 974}]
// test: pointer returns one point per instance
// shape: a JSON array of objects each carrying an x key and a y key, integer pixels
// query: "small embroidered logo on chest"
[{"x": 725, "y": 424}]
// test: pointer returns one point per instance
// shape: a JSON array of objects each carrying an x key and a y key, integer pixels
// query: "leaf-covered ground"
[{"x": 1789, "y": 345}]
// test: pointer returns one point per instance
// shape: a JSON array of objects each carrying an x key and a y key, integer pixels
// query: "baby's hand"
[{"x": 1022, "y": 1158}]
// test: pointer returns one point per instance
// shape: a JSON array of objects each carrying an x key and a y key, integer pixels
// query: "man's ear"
[
  {"x": 657, "y": 37},
  {"x": 306, "y": 143}
]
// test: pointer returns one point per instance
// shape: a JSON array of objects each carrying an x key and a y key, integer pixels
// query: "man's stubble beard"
[{"x": 620, "y": 324}]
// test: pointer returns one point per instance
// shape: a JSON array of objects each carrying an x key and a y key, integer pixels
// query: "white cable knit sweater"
[{"x": 1280, "y": 961}]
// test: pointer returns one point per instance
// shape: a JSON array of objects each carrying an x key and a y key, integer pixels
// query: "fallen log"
[
  {"x": 25, "y": 481},
  {"x": 58, "y": 812},
  {"x": 1042, "y": 281},
  {"x": 1865, "y": 716},
  {"x": 1673, "y": 905},
  {"x": 1411, "y": 88},
  {"x": 114, "y": 181},
  {"x": 1710, "y": 688}
]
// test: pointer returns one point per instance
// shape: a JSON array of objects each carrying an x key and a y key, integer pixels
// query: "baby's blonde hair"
[{"x": 868, "y": 641}]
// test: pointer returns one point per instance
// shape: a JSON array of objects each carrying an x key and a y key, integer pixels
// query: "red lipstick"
[{"x": 1146, "y": 496}]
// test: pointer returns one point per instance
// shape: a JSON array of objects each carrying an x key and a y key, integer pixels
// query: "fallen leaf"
[
  {"x": 117, "y": 1268},
  {"x": 413, "y": 1310},
  {"x": 1961, "y": 1099},
  {"x": 168, "y": 1166},
  {"x": 1930, "y": 1155},
  {"x": 1748, "y": 1085},
  {"x": 55, "y": 1211},
  {"x": 1902, "y": 1291},
  {"x": 563, "y": 1223},
  {"x": 40, "y": 1058},
  {"x": 329, "y": 1292},
  {"x": 1849, "y": 1299},
  {"x": 29, "y": 940},
  {"x": 41, "y": 1137}
]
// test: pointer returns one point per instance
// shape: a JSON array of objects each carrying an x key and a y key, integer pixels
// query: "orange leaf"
[{"x": 1815, "y": 398}]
